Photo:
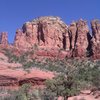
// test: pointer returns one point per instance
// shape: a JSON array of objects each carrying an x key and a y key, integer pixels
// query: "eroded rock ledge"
[{"x": 53, "y": 34}]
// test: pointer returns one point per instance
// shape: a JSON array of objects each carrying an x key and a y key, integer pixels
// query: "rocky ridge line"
[{"x": 53, "y": 34}]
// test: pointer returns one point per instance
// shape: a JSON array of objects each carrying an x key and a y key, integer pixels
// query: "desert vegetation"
[
  {"x": 71, "y": 76},
  {"x": 64, "y": 85}
]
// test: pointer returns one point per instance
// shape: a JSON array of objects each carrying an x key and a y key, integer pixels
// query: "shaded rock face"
[
  {"x": 72, "y": 33},
  {"x": 95, "y": 25},
  {"x": 78, "y": 38},
  {"x": 81, "y": 42},
  {"x": 4, "y": 38},
  {"x": 44, "y": 31}
]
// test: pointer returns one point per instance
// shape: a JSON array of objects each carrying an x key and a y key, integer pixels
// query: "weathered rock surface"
[
  {"x": 52, "y": 34},
  {"x": 36, "y": 77},
  {"x": 4, "y": 38},
  {"x": 95, "y": 25},
  {"x": 78, "y": 38},
  {"x": 72, "y": 33},
  {"x": 10, "y": 76},
  {"x": 20, "y": 40},
  {"x": 44, "y": 31},
  {"x": 81, "y": 41}
]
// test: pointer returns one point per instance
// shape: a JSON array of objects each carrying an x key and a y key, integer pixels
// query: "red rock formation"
[
  {"x": 72, "y": 31},
  {"x": 44, "y": 31},
  {"x": 52, "y": 33},
  {"x": 80, "y": 39},
  {"x": 30, "y": 31},
  {"x": 4, "y": 38},
  {"x": 95, "y": 25},
  {"x": 20, "y": 40},
  {"x": 10, "y": 76}
]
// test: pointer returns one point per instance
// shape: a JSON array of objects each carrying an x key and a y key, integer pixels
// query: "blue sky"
[{"x": 13, "y": 13}]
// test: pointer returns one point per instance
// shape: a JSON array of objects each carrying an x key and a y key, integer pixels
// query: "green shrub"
[
  {"x": 14, "y": 58},
  {"x": 63, "y": 86}
]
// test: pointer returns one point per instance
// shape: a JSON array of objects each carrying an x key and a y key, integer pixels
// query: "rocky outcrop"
[
  {"x": 20, "y": 40},
  {"x": 44, "y": 31},
  {"x": 78, "y": 38},
  {"x": 95, "y": 25},
  {"x": 72, "y": 33},
  {"x": 14, "y": 81},
  {"x": 81, "y": 42},
  {"x": 4, "y": 38},
  {"x": 10, "y": 76},
  {"x": 52, "y": 34}
]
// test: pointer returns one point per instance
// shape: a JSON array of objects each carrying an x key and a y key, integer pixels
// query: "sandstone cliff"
[
  {"x": 44, "y": 31},
  {"x": 95, "y": 25},
  {"x": 78, "y": 38},
  {"x": 52, "y": 34},
  {"x": 4, "y": 38}
]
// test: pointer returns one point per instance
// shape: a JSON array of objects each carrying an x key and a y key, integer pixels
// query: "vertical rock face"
[
  {"x": 95, "y": 25},
  {"x": 72, "y": 33},
  {"x": 4, "y": 38},
  {"x": 78, "y": 38},
  {"x": 20, "y": 39},
  {"x": 81, "y": 41},
  {"x": 44, "y": 31},
  {"x": 30, "y": 32},
  {"x": 51, "y": 33}
]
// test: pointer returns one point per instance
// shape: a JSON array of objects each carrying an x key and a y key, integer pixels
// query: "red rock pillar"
[
  {"x": 4, "y": 38},
  {"x": 95, "y": 25}
]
